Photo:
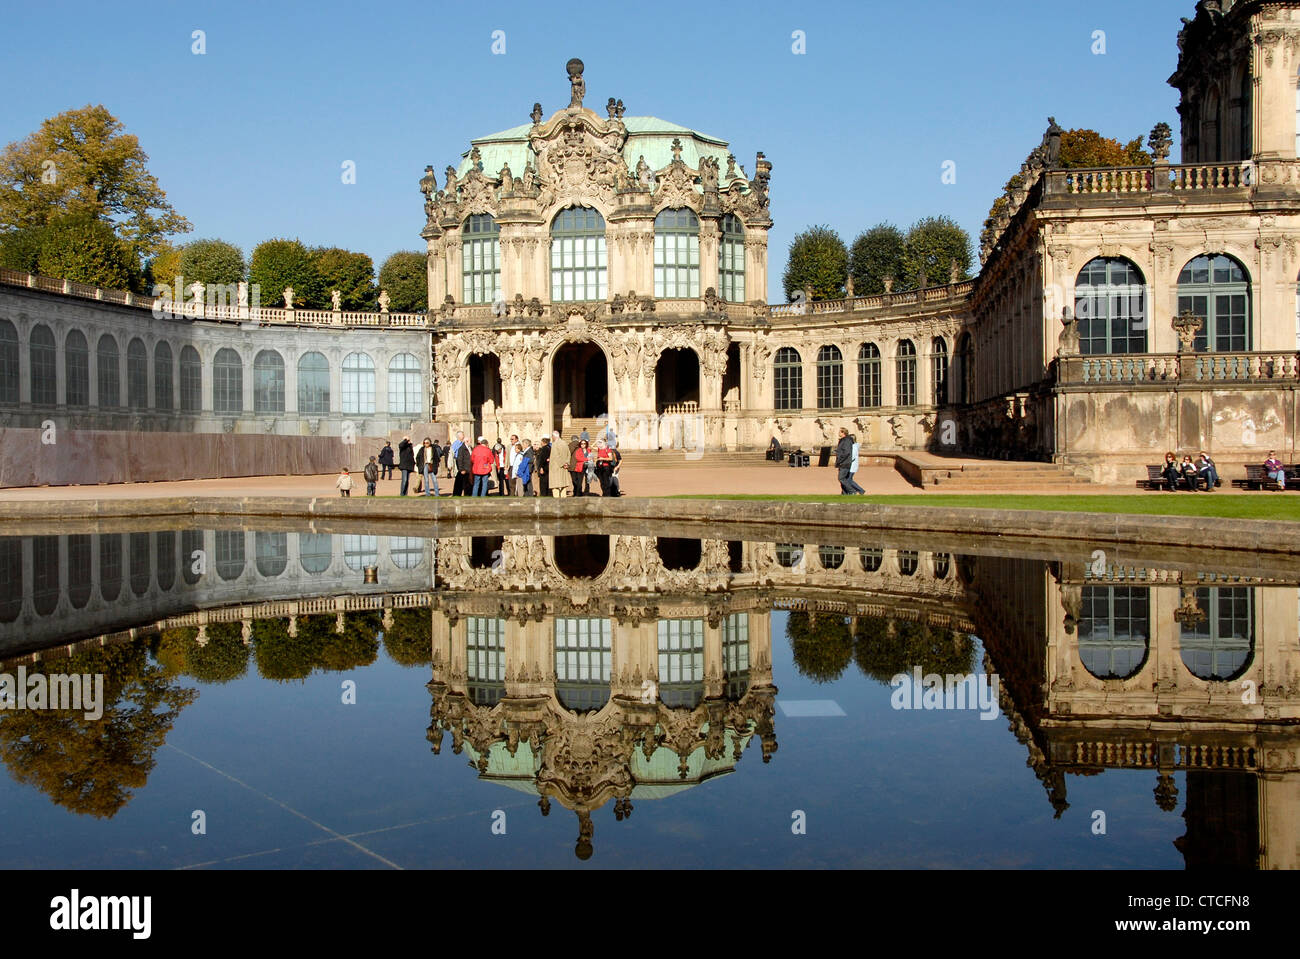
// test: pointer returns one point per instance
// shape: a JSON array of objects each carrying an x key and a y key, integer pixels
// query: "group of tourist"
[
  {"x": 1188, "y": 474},
  {"x": 517, "y": 468}
]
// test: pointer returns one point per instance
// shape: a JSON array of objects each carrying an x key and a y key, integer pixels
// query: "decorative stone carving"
[
  {"x": 1160, "y": 141},
  {"x": 577, "y": 85},
  {"x": 1187, "y": 325}
]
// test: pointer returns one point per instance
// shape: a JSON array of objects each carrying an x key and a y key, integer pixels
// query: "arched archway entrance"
[
  {"x": 677, "y": 379},
  {"x": 579, "y": 387},
  {"x": 484, "y": 388},
  {"x": 581, "y": 557}
]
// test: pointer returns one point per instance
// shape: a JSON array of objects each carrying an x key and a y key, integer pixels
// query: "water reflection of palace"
[{"x": 1166, "y": 670}]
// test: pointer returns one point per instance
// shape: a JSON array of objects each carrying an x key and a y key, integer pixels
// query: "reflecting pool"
[{"x": 324, "y": 697}]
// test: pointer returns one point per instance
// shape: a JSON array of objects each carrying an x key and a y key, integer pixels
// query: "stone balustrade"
[
  {"x": 1194, "y": 368},
  {"x": 956, "y": 292},
  {"x": 1207, "y": 178}
]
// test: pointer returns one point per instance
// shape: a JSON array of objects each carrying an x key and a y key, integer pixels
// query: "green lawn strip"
[{"x": 1279, "y": 507}]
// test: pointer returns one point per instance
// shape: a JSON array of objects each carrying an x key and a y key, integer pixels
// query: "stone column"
[{"x": 709, "y": 238}]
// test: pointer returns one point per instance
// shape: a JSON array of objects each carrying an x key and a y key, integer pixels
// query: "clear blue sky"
[{"x": 248, "y": 139}]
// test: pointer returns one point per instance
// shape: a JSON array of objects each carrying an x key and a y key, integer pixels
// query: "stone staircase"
[{"x": 995, "y": 474}]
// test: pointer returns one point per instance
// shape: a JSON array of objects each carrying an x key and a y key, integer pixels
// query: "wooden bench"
[
  {"x": 1257, "y": 478},
  {"x": 1155, "y": 479}
]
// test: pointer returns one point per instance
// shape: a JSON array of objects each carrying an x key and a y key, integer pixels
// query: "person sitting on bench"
[
  {"x": 1206, "y": 471},
  {"x": 1170, "y": 471},
  {"x": 1188, "y": 470},
  {"x": 1275, "y": 470}
]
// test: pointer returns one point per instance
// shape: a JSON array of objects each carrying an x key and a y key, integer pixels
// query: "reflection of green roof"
[{"x": 650, "y": 137}]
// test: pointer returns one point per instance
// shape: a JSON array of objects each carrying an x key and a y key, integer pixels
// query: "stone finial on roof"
[{"x": 578, "y": 86}]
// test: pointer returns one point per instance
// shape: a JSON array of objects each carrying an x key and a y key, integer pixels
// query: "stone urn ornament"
[{"x": 1188, "y": 326}]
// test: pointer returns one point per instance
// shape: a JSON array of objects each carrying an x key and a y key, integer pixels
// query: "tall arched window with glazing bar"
[
  {"x": 731, "y": 260},
  {"x": 677, "y": 255},
  {"x": 1110, "y": 306},
  {"x": 939, "y": 370},
  {"x": 830, "y": 378},
  {"x": 480, "y": 259},
  {"x": 905, "y": 369},
  {"x": 869, "y": 391},
  {"x": 579, "y": 267},
  {"x": 1217, "y": 289},
  {"x": 787, "y": 379}
]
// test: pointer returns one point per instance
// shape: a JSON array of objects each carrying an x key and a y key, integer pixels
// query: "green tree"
[
  {"x": 278, "y": 264},
  {"x": 821, "y": 644},
  {"x": 405, "y": 275},
  {"x": 80, "y": 162},
  {"x": 20, "y": 249},
  {"x": 1083, "y": 149},
  {"x": 877, "y": 253},
  {"x": 91, "y": 766},
  {"x": 83, "y": 249},
  {"x": 818, "y": 265},
  {"x": 931, "y": 246},
  {"x": 224, "y": 657},
  {"x": 352, "y": 274},
  {"x": 164, "y": 267},
  {"x": 357, "y": 645},
  {"x": 282, "y": 657},
  {"x": 409, "y": 642},
  {"x": 210, "y": 262},
  {"x": 882, "y": 652}
]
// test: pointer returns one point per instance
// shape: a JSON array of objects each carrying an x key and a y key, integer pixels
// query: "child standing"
[
  {"x": 344, "y": 483},
  {"x": 371, "y": 473}
]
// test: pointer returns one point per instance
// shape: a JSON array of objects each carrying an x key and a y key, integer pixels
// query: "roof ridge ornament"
[{"x": 577, "y": 85}]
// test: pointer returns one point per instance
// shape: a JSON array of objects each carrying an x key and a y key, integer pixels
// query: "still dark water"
[{"x": 636, "y": 701}]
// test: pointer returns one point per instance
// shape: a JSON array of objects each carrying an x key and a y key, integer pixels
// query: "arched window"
[
  {"x": 787, "y": 379},
  {"x": 681, "y": 662},
  {"x": 313, "y": 383},
  {"x": 1114, "y": 630},
  {"x": 164, "y": 545},
  {"x": 905, "y": 366},
  {"x": 480, "y": 259},
  {"x": 939, "y": 370},
  {"x": 45, "y": 573},
  {"x": 830, "y": 378},
  {"x": 731, "y": 260},
  {"x": 227, "y": 382},
  {"x": 677, "y": 255},
  {"x": 43, "y": 353},
  {"x": 1217, "y": 289},
  {"x": 163, "y": 400},
  {"x": 140, "y": 557},
  {"x": 942, "y": 563},
  {"x": 406, "y": 552},
  {"x": 315, "y": 552},
  {"x": 191, "y": 380},
  {"x": 485, "y": 653},
  {"x": 405, "y": 389},
  {"x": 271, "y": 553},
  {"x": 76, "y": 369},
  {"x": 137, "y": 375},
  {"x": 360, "y": 551},
  {"x": 582, "y": 662},
  {"x": 965, "y": 376},
  {"x": 578, "y": 265},
  {"x": 110, "y": 566},
  {"x": 1220, "y": 646},
  {"x": 230, "y": 553},
  {"x": 110, "y": 377},
  {"x": 871, "y": 558},
  {"x": 831, "y": 557},
  {"x": 1110, "y": 306},
  {"x": 358, "y": 383},
  {"x": 268, "y": 382},
  {"x": 908, "y": 561},
  {"x": 80, "y": 575},
  {"x": 8, "y": 363},
  {"x": 869, "y": 391}
]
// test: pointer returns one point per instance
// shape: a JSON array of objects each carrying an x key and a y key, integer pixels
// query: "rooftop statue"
[{"x": 578, "y": 85}]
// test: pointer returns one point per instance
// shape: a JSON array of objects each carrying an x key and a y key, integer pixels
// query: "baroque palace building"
[{"x": 591, "y": 271}]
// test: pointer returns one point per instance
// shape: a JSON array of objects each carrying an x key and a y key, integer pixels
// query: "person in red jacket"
[{"x": 482, "y": 460}]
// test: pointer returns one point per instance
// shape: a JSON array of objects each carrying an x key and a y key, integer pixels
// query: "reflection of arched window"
[
  {"x": 731, "y": 260},
  {"x": 679, "y": 554},
  {"x": 315, "y": 550},
  {"x": 230, "y": 554},
  {"x": 1217, "y": 289},
  {"x": 942, "y": 563},
  {"x": 1219, "y": 647},
  {"x": 80, "y": 569},
  {"x": 192, "y": 565},
  {"x": 109, "y": 379},
  {"x": 163, "y": 400},
  {"x": 110, "y": 566},
  {"x": 1114, "y": 630},
  {"x": 164, "y": 547},
  {"x": 137, "y": 375},
  {"x": 268, "y": 382},
  {"x": 869, "y": 390},
  {"x": 789, "y": 555},
  {"x": 831, "y": 557},
  {"x": 830, "y": 378},
  {"x": 141, "y": 557},
  {"x": 405, "y": 390},
  {"x": 358, "y": 383},
  {"x": 582, "y": 662},
  {"x": 787, "y": 379},
  {"x": 271, "y": 553},
  {"x": 44, "y": 366},
  {"x": 1110, "y": 306},
  {"x": 9, "y": 376},
  {"x": 681, "y": 662},
  {"x": 406, "y": 552},
  {"x": 578, "y": 267},
  {"x": 908, "y": 561},
  {"x": 677, "y": 255},
  {"x": 939, "y": 370},
  {"x": 485, "y": 648},
  {"x": 313, "y": 383},
  {"x": 360, "y": 551},
  {"x": 76, "y": 369},
  {"x": 480, "y": 259},
  {"x": 191, "y": 380},
  {"x": 227, "y": 382},
  {"x": 45, "y": 573},
  {"x": 871, "y": 559},
  {"x": 905, "y": 363},
  {"x": 581, "y": 556},
  {"x": 11, "y": 578},
  {"x": 735, "y": 654}
]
